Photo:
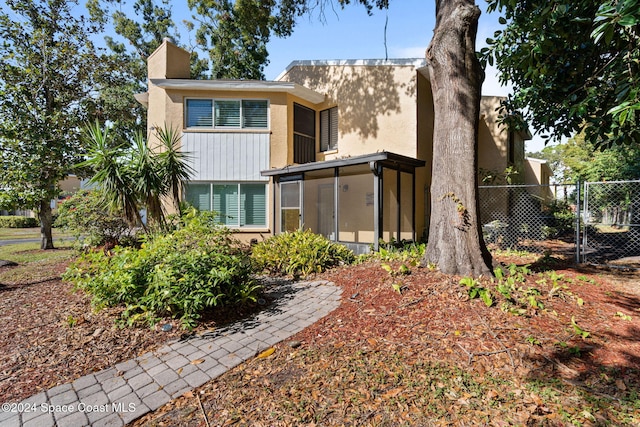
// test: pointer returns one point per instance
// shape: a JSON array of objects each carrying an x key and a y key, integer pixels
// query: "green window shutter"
[
  {"x": 225, "y": 203},
  {"x": 199, "y": 113},
  {"x": 253, "y": 203},
  {"x": 255, "y": 114},
  {"x": 227, "y": 113},
  {"x": 199, "y": 195}
]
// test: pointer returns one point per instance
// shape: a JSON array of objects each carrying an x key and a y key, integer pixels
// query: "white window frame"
[{"x": 213, "y": 117}]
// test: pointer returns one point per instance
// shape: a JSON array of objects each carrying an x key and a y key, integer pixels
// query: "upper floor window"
[
  {"x": 227, "y": 113},
  {"x": 329, "y": 129}
]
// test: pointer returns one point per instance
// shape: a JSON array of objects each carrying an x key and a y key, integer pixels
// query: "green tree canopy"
[
  {"x": 48, "y": 69},
  {"x": 573, "y": 66},
  {"x": 579, "y": 160}
]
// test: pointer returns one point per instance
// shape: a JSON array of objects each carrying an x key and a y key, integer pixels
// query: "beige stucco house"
[{"x": 340, "y": 147}]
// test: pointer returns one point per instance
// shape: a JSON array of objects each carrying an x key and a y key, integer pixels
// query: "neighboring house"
[
  {"x": 537, "y": 172},
  {"x": 340, "y": 147},
  {"x": 71, "y": 184}
]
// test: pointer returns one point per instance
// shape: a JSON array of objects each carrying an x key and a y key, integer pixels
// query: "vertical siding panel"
[{"x": 227, "y": 156}]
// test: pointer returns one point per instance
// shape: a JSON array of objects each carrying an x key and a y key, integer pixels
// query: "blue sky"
[{"x": 351, "y": 34}]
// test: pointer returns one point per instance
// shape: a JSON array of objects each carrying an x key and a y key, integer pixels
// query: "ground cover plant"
[
  {"x": 180, "y": 274},
  {"x": 298, "y": 254}
]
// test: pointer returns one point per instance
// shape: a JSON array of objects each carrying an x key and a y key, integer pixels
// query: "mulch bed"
[
  {"x": 354, "y": 366},
  {"x": 382, "y": 358}
]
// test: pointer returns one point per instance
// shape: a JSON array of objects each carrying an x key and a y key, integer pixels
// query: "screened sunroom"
[{"x": 355, "y": 201}]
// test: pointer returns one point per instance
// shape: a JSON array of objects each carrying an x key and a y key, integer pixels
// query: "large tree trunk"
[
  {"x": 455, "y": 238},
  {"x": 44, "y": 214}
]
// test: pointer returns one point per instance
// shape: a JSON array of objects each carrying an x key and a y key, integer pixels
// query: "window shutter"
[
  {"x": 333, "y": 139},
  {"x": 324, "y": 130},
  {"x": 199, "y": 112},
  {"x": 253, "y": 205},
  {"x": 255, "y": 114},
  {"x": 329, "y": 129},
  {"x": 227, "y": 114},
  {"x": 225, "y": 203}
]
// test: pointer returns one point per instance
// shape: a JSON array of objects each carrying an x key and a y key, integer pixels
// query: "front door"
[
  {"x": 326, "y": 211},
  {"x": 290, "y": 206}
]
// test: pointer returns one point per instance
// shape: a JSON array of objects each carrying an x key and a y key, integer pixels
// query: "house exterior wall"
[
  {"x": 494, "y": 146},
  {"x": 376, "y": 103},
  {"x": 537, "y": 171},
  {"x": 382, "y": 106}
]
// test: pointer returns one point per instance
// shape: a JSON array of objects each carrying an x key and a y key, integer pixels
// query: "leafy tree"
[
  {"x": 455, "y": 242},
  {"x": 236, "y": 33},
  {"x": 579, "y": 160},
  {"x": 48, "y": 66},
  {"x": 136, "y": 29},
  {"x": 574, "y": 66}
]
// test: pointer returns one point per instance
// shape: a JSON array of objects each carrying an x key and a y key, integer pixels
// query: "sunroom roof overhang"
[{"x": 384, "y": 159}]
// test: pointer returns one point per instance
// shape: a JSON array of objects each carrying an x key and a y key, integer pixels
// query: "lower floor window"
[{"x": 236, "y": 204}]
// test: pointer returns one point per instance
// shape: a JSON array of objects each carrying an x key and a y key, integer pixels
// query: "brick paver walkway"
[{"x": 118, "y": 395}]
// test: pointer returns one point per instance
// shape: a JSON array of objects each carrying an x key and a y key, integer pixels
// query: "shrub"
[
  {"x": 86, "y": 217},
  {"x": 17, "y": 222},
  {"x": 299, "y": 253},
  {"x": 179, "y": 274},
  {"x": 562, "y": 220}
]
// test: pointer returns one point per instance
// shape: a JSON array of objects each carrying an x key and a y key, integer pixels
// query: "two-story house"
[{"x": 340, "y": 147}]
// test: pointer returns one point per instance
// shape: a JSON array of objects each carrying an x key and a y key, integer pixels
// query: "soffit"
[{"x": 241, "y": 86}]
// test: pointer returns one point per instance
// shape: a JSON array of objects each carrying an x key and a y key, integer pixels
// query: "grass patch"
[
  {"x": 34, "y": 263},
  {"x": 29, "y": 233}
]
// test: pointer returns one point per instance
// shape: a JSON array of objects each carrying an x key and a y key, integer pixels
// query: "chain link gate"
[
  {"x": 611, "y": 217},
  {"x": 528, "y": 217}
]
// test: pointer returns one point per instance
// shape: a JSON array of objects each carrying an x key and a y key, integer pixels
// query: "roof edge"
[{"x": 403, "y": 62}]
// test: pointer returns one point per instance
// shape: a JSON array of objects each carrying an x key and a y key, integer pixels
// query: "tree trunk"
[
  {"x": 44, "y": 214},
  {"x": 455, "y": 241}
]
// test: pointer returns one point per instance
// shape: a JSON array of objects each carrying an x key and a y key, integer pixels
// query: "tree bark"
[
  {"x": 455, "y": 242},
  {"x": 46, "y": 221}
]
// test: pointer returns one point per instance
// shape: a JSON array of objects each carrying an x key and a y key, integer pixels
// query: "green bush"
[
  {"x": 299, "y": 253},
  {"x": 181, "y": 274},
  {"x": 85, "y": 216},
  {"x": 17, "y": 222},
  {"x": 562, "y": 220}
]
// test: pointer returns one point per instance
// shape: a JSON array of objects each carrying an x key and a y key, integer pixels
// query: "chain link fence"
[
  {"x": 611, "y": 218},
  {"x": 528, "y": 217}
]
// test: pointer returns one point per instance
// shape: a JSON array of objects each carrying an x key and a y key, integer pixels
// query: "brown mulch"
[
  {"x": 425, "y": 356},
  {"x": 431, "y": 356},
  {"x": 50, "y": 336}
]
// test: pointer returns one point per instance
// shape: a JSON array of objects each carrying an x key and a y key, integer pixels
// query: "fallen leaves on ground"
[
  {"x": 427, "y": 355},
  {"x": 430, "y": 356}
]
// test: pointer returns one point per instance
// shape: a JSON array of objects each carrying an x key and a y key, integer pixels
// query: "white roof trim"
[
  {"x": 414, "y": 62},
  {"x": 533, "y": 159},
  {"x": 241, "y": 85}
]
